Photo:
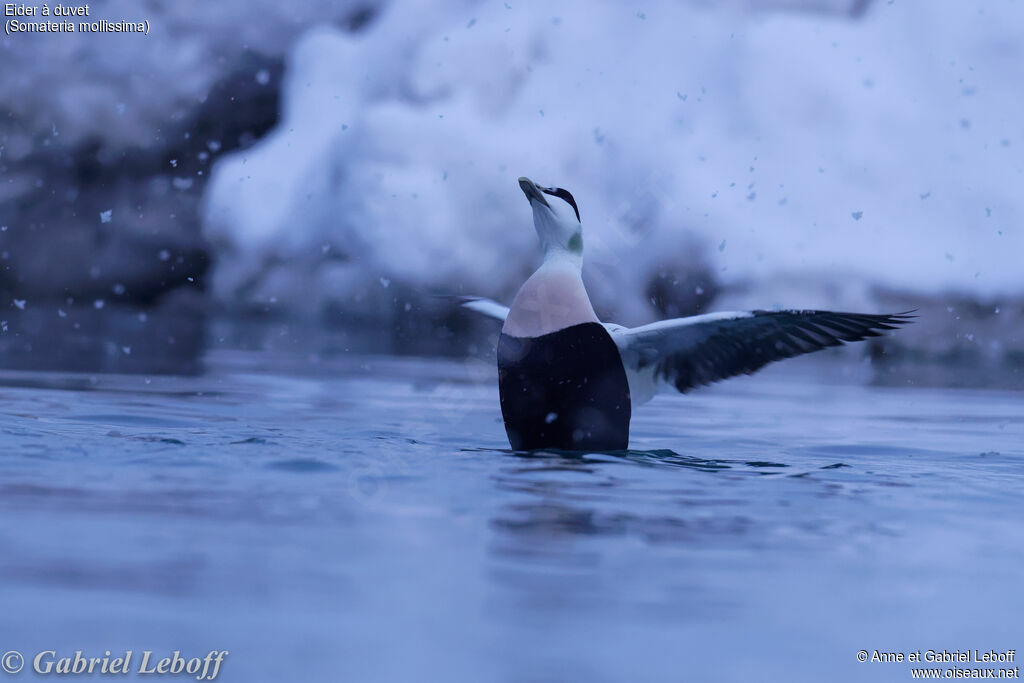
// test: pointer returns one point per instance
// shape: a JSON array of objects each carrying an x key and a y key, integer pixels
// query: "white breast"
[{"x": 552, "y": 299}]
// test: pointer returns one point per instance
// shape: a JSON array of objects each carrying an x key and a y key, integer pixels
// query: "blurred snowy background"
[{"x": 311, "y": 176}]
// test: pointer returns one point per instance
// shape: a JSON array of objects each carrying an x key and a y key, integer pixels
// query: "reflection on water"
[{"x": 362, "y": 518}]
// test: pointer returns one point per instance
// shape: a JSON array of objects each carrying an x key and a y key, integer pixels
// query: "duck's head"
[{"x": 555, "y": 216}]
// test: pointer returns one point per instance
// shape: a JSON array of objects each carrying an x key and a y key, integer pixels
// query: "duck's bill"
[{"x": 532, "y": 192}]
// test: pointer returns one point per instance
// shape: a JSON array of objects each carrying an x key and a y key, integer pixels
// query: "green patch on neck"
[{"x": 576, "y": 243}]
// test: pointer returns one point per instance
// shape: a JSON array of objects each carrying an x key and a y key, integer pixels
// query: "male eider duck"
[{"x": 569, "y": 381}]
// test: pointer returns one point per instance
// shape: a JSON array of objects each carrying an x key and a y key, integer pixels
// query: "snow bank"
[
  {"x": 124, "y": 88},
  {"x": 105, "y": 140},
  {"x": 830, "y": 154}
]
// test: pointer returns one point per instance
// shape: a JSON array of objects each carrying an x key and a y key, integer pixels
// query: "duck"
[{"x": 568, "y": 381}]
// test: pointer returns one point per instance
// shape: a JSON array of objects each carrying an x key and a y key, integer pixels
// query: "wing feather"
[
  {"x": 686, "y": 353},
  {"x": 488, "y": 307}
]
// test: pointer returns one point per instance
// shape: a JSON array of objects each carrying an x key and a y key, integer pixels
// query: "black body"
[{"x": 566, "y": 390}]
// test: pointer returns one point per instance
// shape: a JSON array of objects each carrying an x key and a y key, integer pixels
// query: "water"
[{"x": 362, "y": 519}]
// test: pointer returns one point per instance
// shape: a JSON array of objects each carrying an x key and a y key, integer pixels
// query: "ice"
[
  {"x": 400, "y": 147},
  {"x": 101, "y": 93}
]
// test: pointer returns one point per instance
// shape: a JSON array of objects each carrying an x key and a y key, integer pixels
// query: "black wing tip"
[
  {"x": 900, "y": 318},
  {"x": 905, "y": 316},
  {"x": 892, "y": 321}
]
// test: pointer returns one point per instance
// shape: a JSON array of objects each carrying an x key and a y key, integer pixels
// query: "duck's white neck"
[
  {"x": 557, "y": 254},
  {"x": 552, "y": 299}
]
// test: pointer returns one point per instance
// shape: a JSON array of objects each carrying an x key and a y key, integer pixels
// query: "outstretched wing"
[
  {"x": 689, "y": 352},
  {"x": 485, "y": 306}
]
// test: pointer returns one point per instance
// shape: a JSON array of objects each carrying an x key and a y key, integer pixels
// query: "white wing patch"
[{"x": 488, "y": 307}]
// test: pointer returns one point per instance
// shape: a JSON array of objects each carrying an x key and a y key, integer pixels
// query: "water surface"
[{"x": 361, "y": 518}]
